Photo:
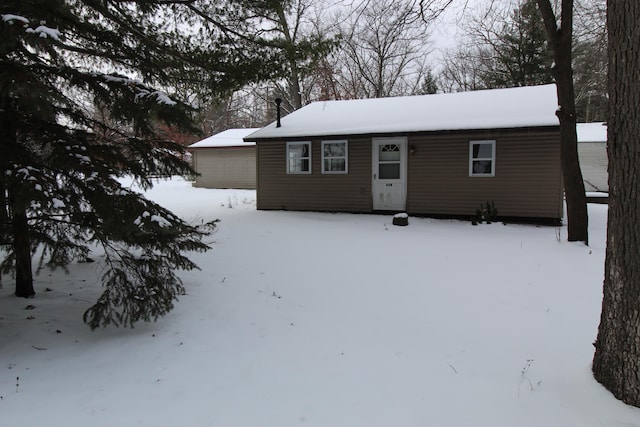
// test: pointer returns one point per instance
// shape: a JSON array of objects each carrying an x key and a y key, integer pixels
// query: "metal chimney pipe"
[{"x": 278, "y": 102}]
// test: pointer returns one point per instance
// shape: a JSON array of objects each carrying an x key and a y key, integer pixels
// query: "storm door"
[{"x": 389, "y": 174}]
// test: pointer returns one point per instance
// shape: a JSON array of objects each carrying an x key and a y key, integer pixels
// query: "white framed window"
[
  {"x": 299, "y": 157},
  {"x": 335, "y": 155},
  {"x": 482, "y": 158}
]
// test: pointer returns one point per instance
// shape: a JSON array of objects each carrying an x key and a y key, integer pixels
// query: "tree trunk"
[
  {"x": 561, "y": 42},
  {"x": 578, "y": 219},
  {"x": 14, "y": 218},
  {"x": 616, "y": 363},
  {"x": 295, "y": 92},
  {"x": 22, "y": 250}
]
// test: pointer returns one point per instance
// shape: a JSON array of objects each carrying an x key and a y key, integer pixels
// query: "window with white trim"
[
  {"x": 335, "y": 155},
  {"x": 482, "y": 158},
  {"x": 298, "y": 157}
]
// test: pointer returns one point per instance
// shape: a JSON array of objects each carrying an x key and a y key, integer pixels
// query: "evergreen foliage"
[
  {"x": 301, "y": 47},
  {"x": 83, "y": 85},
  {"x": 429, "y": 84},
  {"x": 503, "y": 51},
  {"x": 522, "y": 54}
]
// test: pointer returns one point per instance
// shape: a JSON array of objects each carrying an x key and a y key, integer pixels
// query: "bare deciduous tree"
[
  {"x": 462, "y": 68},
  {"x": 560, "y": 33},
  {"x": 590, "y": 60},
  {"x": 383, "y": 50}
]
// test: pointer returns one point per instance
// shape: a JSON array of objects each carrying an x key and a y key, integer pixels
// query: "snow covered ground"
[{"x": 323, "y": 320}]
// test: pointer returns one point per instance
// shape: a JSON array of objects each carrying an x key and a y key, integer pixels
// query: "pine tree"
[
  {"x": 83, "y": 85},
  {"x": 429, "y": 84},
  {"x": 301, "y": 44},
  {"x": 507, "y": 50},
  {"x": 522, "y": 54}
]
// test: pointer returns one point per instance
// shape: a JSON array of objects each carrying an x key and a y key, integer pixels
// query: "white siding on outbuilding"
[
  {"x": 224, "y": 160},
  {"x": 225, "y": 167},
  {"x": 592, "y": 152}
]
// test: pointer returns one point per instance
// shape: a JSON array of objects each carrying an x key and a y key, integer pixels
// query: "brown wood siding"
[
  {"x": 349, "y": 192},
  {"x": 527, "y": 181},
  {"x": 225, "y": 167}
]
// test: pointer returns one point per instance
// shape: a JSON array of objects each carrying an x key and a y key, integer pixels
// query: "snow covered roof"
[
  {"x": 592, "y": 132},
  {"x": 227, "y": 138},
  {"x": 484, "y": 109}
]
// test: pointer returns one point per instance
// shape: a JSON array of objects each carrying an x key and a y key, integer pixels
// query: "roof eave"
[{"x": 519, "y": 129}]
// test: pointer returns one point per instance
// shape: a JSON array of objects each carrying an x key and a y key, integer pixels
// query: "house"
[
  {"x": 441, "y": 155},
  {"x": 224, "y": 160},
  {"x": 592, "y": 152}
]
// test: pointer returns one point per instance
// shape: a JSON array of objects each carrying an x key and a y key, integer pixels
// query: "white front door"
[{"x": 389, "y": 174}]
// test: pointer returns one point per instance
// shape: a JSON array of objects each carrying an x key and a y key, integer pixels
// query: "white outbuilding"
[
  {"x": 224, "y": 160},
  {"x": 592, "y": 152}
]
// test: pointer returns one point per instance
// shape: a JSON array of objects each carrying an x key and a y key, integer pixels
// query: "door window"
[{"x": 389, "y": 161}]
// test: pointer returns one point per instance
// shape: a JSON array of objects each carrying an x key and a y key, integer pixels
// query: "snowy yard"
[{"x": 325, "y": 320}]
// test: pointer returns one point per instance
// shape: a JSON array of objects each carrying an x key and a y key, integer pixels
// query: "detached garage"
[{"x": 224, "y": 160}]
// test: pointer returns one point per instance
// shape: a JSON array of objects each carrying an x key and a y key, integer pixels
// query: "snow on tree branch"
[
  {"x": 141, "y": 90},
  {"x": 45, "y": 32},
  {"x": 10, "y": 18}
]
